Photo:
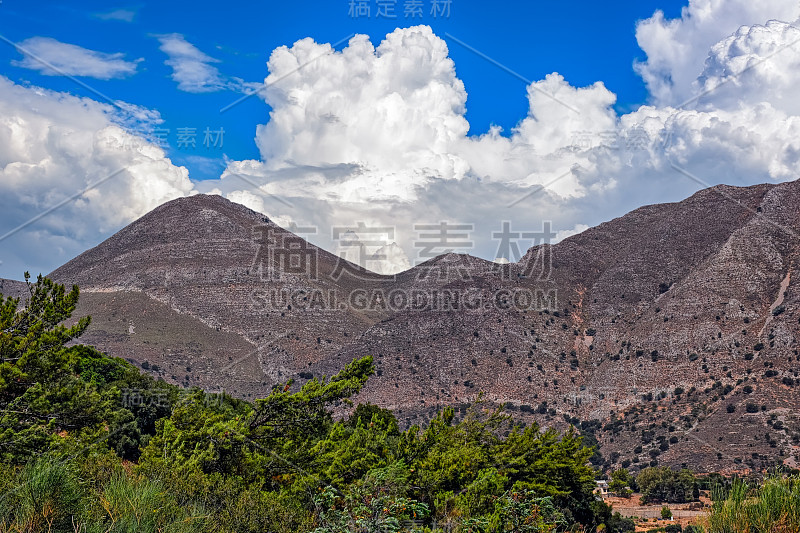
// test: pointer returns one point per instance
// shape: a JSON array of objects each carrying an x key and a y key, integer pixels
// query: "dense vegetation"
[
  {"x": 662, "y": 484},
  {"x": 773, "y": 506},
  {"x": 87, "y": 443}
]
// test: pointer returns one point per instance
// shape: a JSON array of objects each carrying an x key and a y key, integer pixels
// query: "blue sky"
[
  {"x": 584, "y": 41},
  {"x": 520, "y": 113}
]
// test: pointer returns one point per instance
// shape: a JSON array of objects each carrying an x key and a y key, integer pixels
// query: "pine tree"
[{"x": 39, "y": 394}]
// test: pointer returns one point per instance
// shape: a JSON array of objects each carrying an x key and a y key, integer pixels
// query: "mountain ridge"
[{"x": 630, "y": 316}]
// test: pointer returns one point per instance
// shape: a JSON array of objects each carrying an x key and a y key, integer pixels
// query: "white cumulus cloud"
[
  {"x": 53, "y": 147},
  {"x": 759, "y": 63},
  {"x": 395, "y": 111},
  {"x": 379, "y": 133},
  {"x": 677, "y": 48}
]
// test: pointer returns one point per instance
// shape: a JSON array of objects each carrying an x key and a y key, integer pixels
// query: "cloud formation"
[
  {"x": 396, "y": 109},
  {"x": 54, "y": 58},
  {"x": 54, "y": 146},
  {"x": 192, "y": 69},
  {"x": 677, "y": 48},
  {"x": 759, "y": 63},
  {"x": 379, "y": 133},
  {"x": 377, "y": 136}
]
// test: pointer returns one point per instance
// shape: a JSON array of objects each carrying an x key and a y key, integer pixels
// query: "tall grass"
[
  {"x": 773, "y": 507},
  {"x": 134, "y": 505},
  {"x": 45, "y": 495}
]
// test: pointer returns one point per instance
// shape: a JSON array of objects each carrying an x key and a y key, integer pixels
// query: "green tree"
[
  {"x": 365, "y": 412},
  {"x": 56, "y": 393},
  {"x": 40, "y": 395},
  {"x": 305, "y": 415},
  {"x": 621, "y": 482},
  {"x": 347, "y": 453},
  {"x": 662, "y": 484}
]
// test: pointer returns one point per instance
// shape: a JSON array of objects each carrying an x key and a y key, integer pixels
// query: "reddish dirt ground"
[{"x": 649, "y": 516}]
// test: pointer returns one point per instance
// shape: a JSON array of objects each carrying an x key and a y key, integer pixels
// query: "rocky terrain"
[
  {"x": 15, "y": 289},
  {"x": 668, "y": 335}
]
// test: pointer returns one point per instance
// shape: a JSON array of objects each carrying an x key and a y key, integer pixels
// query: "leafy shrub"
[
  {"x": 523, "y": 512},
  {"x": 376, "y": 503}
]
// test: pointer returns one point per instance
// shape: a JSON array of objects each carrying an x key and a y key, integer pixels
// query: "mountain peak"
[{"x": 216, "y": 202}]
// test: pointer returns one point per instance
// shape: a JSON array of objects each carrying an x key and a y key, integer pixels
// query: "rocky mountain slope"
[{"x": 669, "y": 334}]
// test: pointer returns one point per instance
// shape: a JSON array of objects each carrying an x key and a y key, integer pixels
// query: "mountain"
[
  {"x": 180, "y": 289},
  {"x": 14, "y": 289},
  {"x": 668, "y": 335}
]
